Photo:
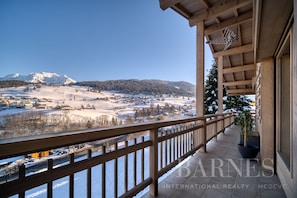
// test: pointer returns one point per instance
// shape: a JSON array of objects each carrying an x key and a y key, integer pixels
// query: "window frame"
[{"x": 286, "y": 168}]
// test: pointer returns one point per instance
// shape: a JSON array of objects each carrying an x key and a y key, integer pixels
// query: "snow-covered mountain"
[{"x": 43, "y": 77}]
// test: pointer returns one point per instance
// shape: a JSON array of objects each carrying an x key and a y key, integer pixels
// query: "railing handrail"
[
  {"x": 12, "y": 147},
  {"x": 166, "y": 148}
]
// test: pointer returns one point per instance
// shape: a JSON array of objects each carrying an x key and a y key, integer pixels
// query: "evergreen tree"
[{"x": 237, "y": 103}]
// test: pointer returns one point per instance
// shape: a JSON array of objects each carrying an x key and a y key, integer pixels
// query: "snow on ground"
[{"x": 81, "y": 102}]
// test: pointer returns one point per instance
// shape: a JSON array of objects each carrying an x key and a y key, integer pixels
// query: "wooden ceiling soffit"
[
  {"x": 164, "y": 4},
  {"x": 205, "y": 3},
  {"x": 218, "y": 9},
  {"x": 239, "y": 69},
  {"x": 237, "y": 91},
  {"x": 230, "y": 22},
  {"x": 235, "y": 50},
  {"x": 237, "y": 83},
  {"x": 180, "y": 9}
]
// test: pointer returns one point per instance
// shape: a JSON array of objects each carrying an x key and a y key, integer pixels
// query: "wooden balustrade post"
[
  {"x": 223, "y": 123},
  {"x": 227, "y": 120},
  {"x": 71, "y": 177},
  {"x": 204, "y": 136},
  {"x": 154, "y": 162},
  {"x": 215, "y": 129},
  {"x": 22, "y": 175},
  {"x": 50, "y": 184},
  {"x": 233, "y": 118},
  {"x": 89, "y": 175}
]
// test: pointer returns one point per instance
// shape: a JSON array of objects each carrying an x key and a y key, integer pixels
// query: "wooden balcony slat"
[
  {"x": 116, "y": 172},
  {"x": 103, "y": 170},
  {"x": 135, "y": 164},
  {"x": 177, "y": 145},
  {"x": 22, "y": 145},
  {"x": 89, "y": 175}
]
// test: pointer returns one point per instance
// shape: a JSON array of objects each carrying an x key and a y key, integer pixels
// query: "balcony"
[
  {"x": 250, "y": 65},
  {"x": 221, "y": 172},
  {"x": 252, "y": 59},
  {"x": 125, "y": 167}
]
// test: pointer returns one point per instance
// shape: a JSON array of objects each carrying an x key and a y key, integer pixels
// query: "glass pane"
[{"x": 285, "y": 104}]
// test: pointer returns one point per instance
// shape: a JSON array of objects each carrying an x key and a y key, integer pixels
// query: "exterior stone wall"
[{"x": 265, "y": 111}]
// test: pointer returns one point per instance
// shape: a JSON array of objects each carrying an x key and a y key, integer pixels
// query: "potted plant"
[{"x": 247, "y": 149}]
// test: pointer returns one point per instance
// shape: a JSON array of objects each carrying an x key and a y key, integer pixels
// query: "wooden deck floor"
[{"x": 221, "y": 172}]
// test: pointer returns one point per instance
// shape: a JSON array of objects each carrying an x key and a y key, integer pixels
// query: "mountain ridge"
[
  {"x": 128, "y": 86},
  {"x": 40, "y": 77}
]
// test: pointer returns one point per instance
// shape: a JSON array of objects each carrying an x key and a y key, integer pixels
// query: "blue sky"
[{"x": 97, "y": 40}]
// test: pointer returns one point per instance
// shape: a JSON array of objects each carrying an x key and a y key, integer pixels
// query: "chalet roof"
[{"x": 258, "y": 26}]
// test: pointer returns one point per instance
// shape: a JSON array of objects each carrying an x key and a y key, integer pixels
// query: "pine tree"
[
  {"x": 211, "y": 90},
  {"x": 237, "y": 103}
]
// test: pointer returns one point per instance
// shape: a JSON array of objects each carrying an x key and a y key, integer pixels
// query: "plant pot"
[
  {"x": 248, "y": 151},
  {"x": 253, "y": 140}
]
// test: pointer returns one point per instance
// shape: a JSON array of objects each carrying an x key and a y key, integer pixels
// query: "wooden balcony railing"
[{"x": 114, "y": 168}]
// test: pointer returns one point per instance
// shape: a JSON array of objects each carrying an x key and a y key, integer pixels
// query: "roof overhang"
[
  {"x": 272, "y": 18},
  {"x": 259, "y": 26}
]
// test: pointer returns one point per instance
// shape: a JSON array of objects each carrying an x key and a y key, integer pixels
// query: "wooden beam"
[
  {"x": 257, "y": 7},
  {"x": 205, "y": 3},
  {"x": 230, "y": 65},
  {"x": 235, "y": 91},
  {"x": 237, "y": 83},
  {"x": 181, "y": 10},
  {"x": 164, "y": 4},
  {"x": 239, "y": 68},
  {"x": 236, "y": 13},
  {"x": 235, "y": 50},
  {"x": 231, "y": 22},
  {"x": 210, "y": 46},
  {"x": 217, "y": 20},
  {"x": 241, "y": 94},
  {"x": 222, "y": 7}
]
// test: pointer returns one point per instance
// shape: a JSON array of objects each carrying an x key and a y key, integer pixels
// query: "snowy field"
[{"x": 81, "y": 102}]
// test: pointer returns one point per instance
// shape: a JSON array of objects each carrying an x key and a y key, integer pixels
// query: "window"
[{"x": 284, "y": 102}]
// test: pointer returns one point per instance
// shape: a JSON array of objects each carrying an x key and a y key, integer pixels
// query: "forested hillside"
[
  {"x": 153, "y": 87},
  {"x": 12, "y": 83}
]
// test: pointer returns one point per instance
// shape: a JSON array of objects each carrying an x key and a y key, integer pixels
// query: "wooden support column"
[
  {"x": 220, "y": 84},
  {"x": 220, "y": 90},
  {"x": 200, "y": 70},
  {"x": 200, "y": 79}
]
